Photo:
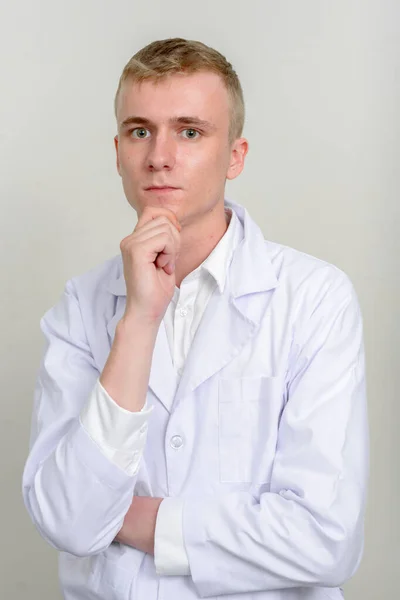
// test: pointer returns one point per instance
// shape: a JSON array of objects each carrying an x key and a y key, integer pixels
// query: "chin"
[{"x": 156, "y": 201}]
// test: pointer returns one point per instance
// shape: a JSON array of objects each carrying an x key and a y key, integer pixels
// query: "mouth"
[{"x": 161, "y": 189}]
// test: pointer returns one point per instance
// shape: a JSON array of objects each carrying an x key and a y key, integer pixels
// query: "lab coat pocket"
[
  {"x": 248, "y": 415},
  {"x": 118, "y": 567},
  {"x": 108, "y": 575}
]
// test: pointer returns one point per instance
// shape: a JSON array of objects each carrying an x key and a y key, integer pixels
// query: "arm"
[
  {"x": 307, "y": 530},
  {"x": 75, "y": 495},
  {"x": 140, "y": 523},
  {"x": 126, "y": 373},
  {"x": 79, "y": 478},
  {"x": 144, "y": 530}
]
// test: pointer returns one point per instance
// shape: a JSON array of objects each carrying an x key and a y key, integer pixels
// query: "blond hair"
[{"x": 177, "y": 55}]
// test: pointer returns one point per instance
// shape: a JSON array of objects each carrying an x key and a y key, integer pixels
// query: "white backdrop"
[{"x": 321, "y": 81}]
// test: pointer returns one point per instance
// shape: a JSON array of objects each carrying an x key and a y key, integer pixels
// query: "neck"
[{"x": 198, "y": 240}]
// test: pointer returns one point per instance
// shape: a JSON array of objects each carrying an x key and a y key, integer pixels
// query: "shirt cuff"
[
  {"x": 170, "y": 556},
  {"x": 120, "y": 434}
]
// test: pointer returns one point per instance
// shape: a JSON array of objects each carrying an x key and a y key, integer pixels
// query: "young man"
[{"x": 199, "y": 427}]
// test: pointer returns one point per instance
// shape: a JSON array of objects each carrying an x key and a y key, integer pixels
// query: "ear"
[
  {"x": 239, "y": 150},
  {"x": 117, "y": 155}
]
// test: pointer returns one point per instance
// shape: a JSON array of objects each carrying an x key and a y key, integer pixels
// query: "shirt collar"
[{"x": 217, "y": 263}]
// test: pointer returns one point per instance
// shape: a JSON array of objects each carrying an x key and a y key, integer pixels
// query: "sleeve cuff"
[
  {"x": 120, "y": 434},
  {"x": 170, "y": 555}
]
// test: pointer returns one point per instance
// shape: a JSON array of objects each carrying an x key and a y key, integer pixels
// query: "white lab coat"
[{"x": 271, "y": 408}]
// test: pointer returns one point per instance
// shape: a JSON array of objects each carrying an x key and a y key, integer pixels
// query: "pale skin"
[{"x": 173, "y": 135}]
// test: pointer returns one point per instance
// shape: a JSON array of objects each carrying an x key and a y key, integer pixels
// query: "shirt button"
[
  {"x": 143, "y": 429},
  {"x": 180, "y": 371},
  {"x": 135, "y": 456},
  {"x": 183, "y": 312},
  {"x": 176, "y": 442}
]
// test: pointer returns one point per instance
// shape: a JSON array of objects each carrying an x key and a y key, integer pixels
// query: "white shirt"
[{"x": 120, "y": 434}]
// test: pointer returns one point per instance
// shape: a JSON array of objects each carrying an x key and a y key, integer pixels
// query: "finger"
[
  {"x": 151, "y": 231},
  {"x": 161, "y": 243},
  {"x": 157, "y": 222},
  {"x": 162, "y": 260},
  {"x": 152, "y": 212},
  {"x": 169, "y": 269}
]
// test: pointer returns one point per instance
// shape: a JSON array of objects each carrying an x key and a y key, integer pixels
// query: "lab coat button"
[
  {"x": 176, "y": 442},
  {"x": 183, "y": 312}
]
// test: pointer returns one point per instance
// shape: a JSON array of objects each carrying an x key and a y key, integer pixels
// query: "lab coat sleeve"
[
  {"x": 307, "y": 528},
  {"x": 74, "y": 494}
]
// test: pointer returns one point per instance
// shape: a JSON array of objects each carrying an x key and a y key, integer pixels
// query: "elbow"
[
  {"x": 342, "y": 561},
  {"x": 74, "y": 543},
  {"x": 77, "y": 538},
  {"x": 73, "y": 540}
]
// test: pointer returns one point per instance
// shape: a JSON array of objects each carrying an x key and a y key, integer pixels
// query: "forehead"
[{"x": 202, "y": 95}]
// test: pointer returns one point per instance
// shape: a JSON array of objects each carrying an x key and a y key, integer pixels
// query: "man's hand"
[
  {"x": 140, "y": 524},
  {"x": 149, "y": 255}
]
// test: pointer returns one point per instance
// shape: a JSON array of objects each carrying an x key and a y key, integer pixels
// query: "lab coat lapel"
[
  {"x": 222, "y": 333},
  {"x": 163, "y": 377},
  {"x": 233, "y": 318}
]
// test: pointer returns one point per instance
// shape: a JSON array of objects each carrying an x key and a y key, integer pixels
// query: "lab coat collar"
[
  {"x": 218, "y": 262},
  {"x": 251, "y": 270}
]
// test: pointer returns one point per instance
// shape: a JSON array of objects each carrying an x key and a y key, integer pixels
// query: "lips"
[{"x": 160, "y": 188}]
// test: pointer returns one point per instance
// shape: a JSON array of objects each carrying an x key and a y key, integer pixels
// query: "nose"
[{"x": 161, "y": 155}]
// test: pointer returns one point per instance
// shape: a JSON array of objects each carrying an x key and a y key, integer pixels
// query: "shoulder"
[
  {"x": 98, "y": 281},
  {"x": 296, "y": 268},
  {"x": 307, "y": 283}
]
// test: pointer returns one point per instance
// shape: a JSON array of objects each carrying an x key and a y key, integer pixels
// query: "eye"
[
  {"x": 190, "y": 134},
  {"x": 140, "y": 133}
]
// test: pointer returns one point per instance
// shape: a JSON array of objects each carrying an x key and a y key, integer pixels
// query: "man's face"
[{"x": 173, "y": 147}]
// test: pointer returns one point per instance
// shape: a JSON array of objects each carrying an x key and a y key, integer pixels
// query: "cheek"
[
  {"x": 206, "y": 166},
  {"x": 128, "y": 163}
]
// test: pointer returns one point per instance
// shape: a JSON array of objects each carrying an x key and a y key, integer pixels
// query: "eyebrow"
[{"x": 136, "y": 120}]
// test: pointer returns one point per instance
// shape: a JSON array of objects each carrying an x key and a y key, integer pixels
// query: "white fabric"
[
  {"x": 170, "y": 556},
  {"x": 264, "y": 441},
  {"x": 120, "y": 434}
]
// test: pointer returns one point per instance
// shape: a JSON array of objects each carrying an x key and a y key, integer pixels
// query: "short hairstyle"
[{"x": 177, "y": 55}]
